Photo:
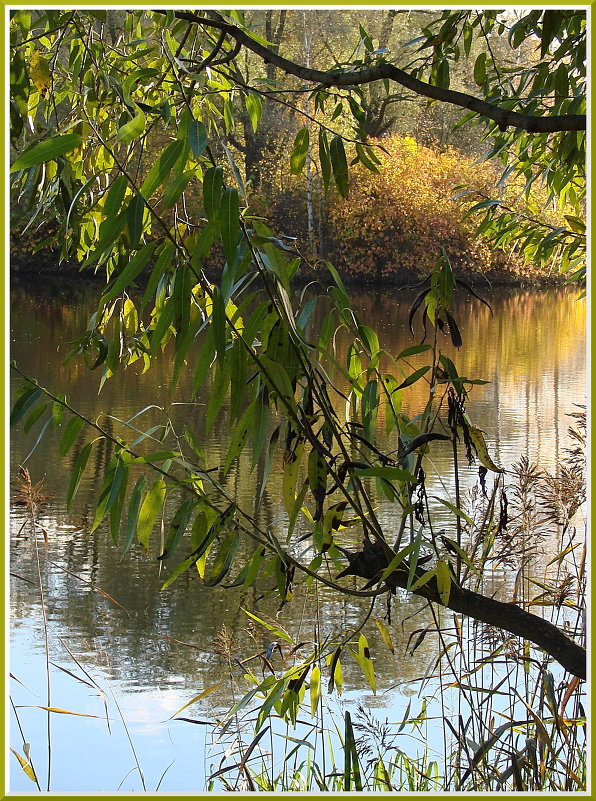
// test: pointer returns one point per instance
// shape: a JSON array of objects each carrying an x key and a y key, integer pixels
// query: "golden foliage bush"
[{"x": 400, "y": 218}]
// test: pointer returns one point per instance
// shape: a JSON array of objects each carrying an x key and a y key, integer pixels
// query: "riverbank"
[{"x": 28, "y": 258}]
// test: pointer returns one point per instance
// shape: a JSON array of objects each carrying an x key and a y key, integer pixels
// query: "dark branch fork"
[
  {"x": 372, "y": 560},
  {"x": 505, "y": 118}
]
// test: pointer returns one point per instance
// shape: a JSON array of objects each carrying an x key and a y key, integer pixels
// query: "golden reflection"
[{"x": 531, "y": 350}]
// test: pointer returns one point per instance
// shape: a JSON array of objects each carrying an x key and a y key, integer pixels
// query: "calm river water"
[{"x": 114, "y": 638}]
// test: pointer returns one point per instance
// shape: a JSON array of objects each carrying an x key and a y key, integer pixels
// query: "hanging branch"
[{"x": 505, "y": 118}]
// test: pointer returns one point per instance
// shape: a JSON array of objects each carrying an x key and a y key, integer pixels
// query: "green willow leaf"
[
  {"x": 46, "y": 151},
  {"x": 223, "y": 560},
  {"x": 365, "y": 159},
  {"x": 133, "y": 129},
  {"x": 455, "y": 509},
  {"x": 240, "y": 436},
  {"x": 254, "y": 108},
  {"x": 71, "y": 432},
  {"x": 206, "y": 356},
  {"x": 162, "y": 263},
  {"x": 134, "y": 219},
  {"x": 300, "y": 151},
  {"x": 324, "y": 159},
  {"x": 24, "y": 403},
  {"x": 480, "y": 69},
  {"x": 133, "y": 512},
  {"x": 178, "y": 527},
  {"x": 118, "y": 504},
  {"x": 76, "y": 474},
  {"x": 150, "y": 509},
  {"x": 278, "y": 632},
  {"x": 179, "y": 569},
  {"x": 162, "y": 168},
  {"x": 412, "y": 351},
  {"x": 109, "y": 231},
  {"x": 197, "y": 137},
  {"x": 130, "y": 272},
  {"x": 229, "y": 222},
  {"x": 34, "y": 417},
  {"x": 339, "y": 165},
  {"x": 161, "y": 333},
  {"x": 110, "y": 489},
  {"x": 253, "y": 568},
  {"x": 411, "y": 379},
  {"x": 388, "y": 473},
  {"x": 175, "y": 188},
  {"x": 212, "y": 189}
]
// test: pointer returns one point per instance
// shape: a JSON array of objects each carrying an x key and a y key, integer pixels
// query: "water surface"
[{"x": 150, "y": 652}]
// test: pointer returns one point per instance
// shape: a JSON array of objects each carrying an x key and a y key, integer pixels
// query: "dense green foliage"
[{"x": 124, "y": 127}]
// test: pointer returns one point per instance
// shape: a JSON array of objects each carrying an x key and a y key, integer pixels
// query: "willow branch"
[
  {"x": 505, "y": 118},
  {"x": 506, "y": 616}
]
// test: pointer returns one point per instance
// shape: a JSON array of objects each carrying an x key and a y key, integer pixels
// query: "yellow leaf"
[
  {"x": 481, "y": 449},
  {"x": 443, "y": 580},
  {"x": 365, "y": 662},
  {"x": 315, "y": 689},
  {"x": 25, "y": 765},
  {"x": 290, "y": 476},
  {"x": 39, "y": 73},
  {"x": 384, "y": 634},
  {"x": 198, "y": 697}
]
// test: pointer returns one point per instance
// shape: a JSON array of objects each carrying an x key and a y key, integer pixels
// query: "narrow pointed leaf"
[
  {"x": 339, "y": 165},
  {"x": 134, "y": 219},
  {"x": 315, "y": 689},
  {"x": 254, "y": 109},
  {"x": 109, "y": 491},
  {"x": 25, "y": 765},
  {"x": 443, "y": 576},
  {"x": 384, "y": 634},
  {"x": 411, "y": 379},
  {"x": 152, "y": 505},
  {"x": 177, "y": 528},
  {"x": 46, "y": 151},
  {"x": 299, "y": 152},
  {"x": 197, "y": 137},
  {"x": 24, "y": 403},
  {"x": 133, "y": 512},
  {"x": 223, "y": 560},
  {"x": 132, "y": 129},
  {"x": 78, "y": 469},
  {"x": 229, "y": 222},
  {"x": 162, "y": 168},
  {"x": 212, "y": 189},
  {"x": 324, "y": 159},
  {"x": 71, "y": 432}
]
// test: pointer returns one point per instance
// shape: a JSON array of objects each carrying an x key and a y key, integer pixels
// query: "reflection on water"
[{"x": 108, "y": 608}]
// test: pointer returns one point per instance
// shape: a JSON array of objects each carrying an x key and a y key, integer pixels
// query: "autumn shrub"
[
  {"x": 399, "y": 219},
  {"x": 395, "y": 222}
]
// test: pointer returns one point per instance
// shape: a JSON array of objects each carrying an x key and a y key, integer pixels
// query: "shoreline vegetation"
[
  {"x": 388, "y": 231},
  {"x": 24, "y": 265}
]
